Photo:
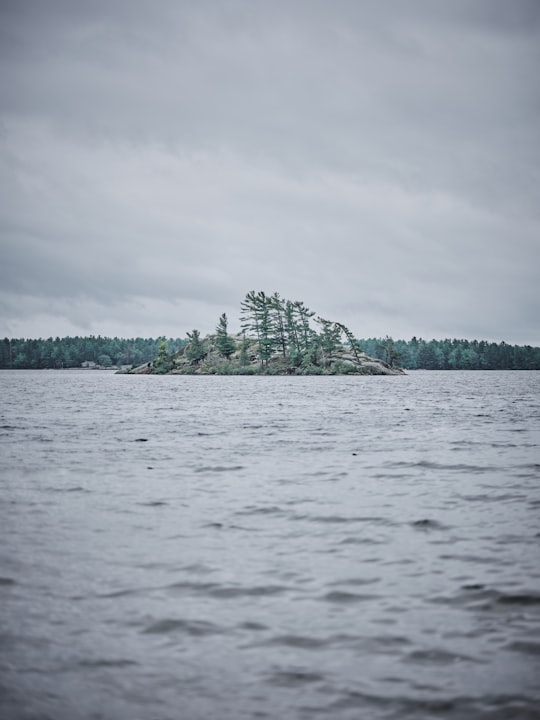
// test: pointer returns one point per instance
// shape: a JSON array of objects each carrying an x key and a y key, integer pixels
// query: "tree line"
[
  {"x": 453, "y": 354},
  {"x": 70, "y": 352},
  {"x": 279, "y": 326},
  {"x": 284, "y": 327}
]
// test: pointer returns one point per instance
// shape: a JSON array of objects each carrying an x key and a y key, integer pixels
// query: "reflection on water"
[{"x": 234, "y": 547}]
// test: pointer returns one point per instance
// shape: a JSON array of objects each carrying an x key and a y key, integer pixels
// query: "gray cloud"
[{"x": 378, "y": 160}]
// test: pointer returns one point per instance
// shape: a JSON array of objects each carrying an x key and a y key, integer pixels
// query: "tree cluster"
[
  {"x": 453, "y": 354},
  {"x": 272, "y": 327},
  {"x": 277, "y": 336},
  {"x": 283, "y": 327},
  {"x": 69, "y": 352}
]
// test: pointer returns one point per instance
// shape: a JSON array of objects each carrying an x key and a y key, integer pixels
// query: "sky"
[{"x": 379, "y": 161}]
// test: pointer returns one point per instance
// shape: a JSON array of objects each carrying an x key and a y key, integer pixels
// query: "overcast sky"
[{"x": 378, "y": 160}]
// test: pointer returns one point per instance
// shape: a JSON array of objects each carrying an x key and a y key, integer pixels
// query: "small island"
[{"x": 277, "y": 337}]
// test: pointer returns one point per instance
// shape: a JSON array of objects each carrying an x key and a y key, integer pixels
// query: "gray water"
[{"x": 184, "y": 548}]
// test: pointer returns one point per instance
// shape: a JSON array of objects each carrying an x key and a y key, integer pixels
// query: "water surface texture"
[{"x": 189, "y": 548}]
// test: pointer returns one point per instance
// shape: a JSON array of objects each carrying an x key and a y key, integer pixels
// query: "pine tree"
[
  {"x": 353, "y": 342},
  {"x": 257, "y": 318},
  {"x": 329, "y": 339},
  {"x": 293, "y": 333},
  {"x": 389, "y": 353},
  {"x": 195, "y": 351},
  {"x": 163, "y": 362},
  {"x": 244, "y": 357},
  {"x": 305, "y": 333},
  {"x": 224, "y": 343},
  {"x": 278, "y": 311}
]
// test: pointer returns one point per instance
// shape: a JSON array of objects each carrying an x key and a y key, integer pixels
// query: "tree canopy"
[
  {"x": 454, "y": 354},
  {"x": 70, "y": 352}
]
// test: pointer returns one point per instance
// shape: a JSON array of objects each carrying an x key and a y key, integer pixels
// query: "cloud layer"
[{"x": 379, "y": 161}]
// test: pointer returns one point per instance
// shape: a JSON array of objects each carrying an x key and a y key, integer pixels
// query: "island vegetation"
[{"x": 276, "y": 335}]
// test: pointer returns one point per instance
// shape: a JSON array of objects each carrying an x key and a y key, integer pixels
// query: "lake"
[{"x": 189, "y": 548}]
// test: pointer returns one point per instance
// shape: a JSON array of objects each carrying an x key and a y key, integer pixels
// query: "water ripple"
[
  {"x": 168, "y": 626},
  {"x": 270, "y": 547}
]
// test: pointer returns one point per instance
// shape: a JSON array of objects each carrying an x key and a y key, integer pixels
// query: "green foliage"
[
  {"x": 71, "y": 352},
  {"x": 105, "y": 360},
  {"x": 292, "y": 330},
  {"x": 388, "y": 350},
  {"x": 281, "y": 326},
  {"x": 163, "y": 362},
  {"x": 195, "y": 351},
  {"x": 305, "y": 333},
  {"x": 309, "y": 368},
  {"x": 277, "y": 307},
  {"x": 329, "y": 339},
  {"x": 455, "y": 354},
  {"x": 354, "y": 344},
  {"x": 224, "y": 343},
  {"x": 258, "y": 319},
  {"x": 244, "y": 357}
]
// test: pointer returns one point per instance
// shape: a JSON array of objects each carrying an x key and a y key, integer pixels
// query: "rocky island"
[{"x": 278, "y": 337}]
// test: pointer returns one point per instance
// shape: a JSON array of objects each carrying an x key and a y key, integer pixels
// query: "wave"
[
  {"x": 477, "y": 596},
  {"x": 432, "y": 465},
  {"x": 167, "y": 626},
  {"x": 224, "y": 592}
]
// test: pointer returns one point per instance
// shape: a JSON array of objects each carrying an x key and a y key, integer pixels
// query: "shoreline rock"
[{"x": 341, "y": 362}]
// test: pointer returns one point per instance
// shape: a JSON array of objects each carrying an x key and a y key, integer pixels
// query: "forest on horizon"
[{"x": 448, "y": 354}]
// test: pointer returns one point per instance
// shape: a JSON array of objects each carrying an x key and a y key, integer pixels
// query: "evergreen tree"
[
  {"x": 390, "y": 354},
  {"x": 329, "y": 339},
  {"x": 292, "y": 330},
  {"x": 163, "y": 363},
  {"x": 278, "y": 310},
  {"x": 244, "y": 358},
  {"x": 353, "y": 342},
  {"x": 195, "y": 351},
  {"x": 257, "y": 318},
  {"x": 306, "y": 334},
  {"x": 105, "y": 360},
  {"x": 224, "y": 343}
]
